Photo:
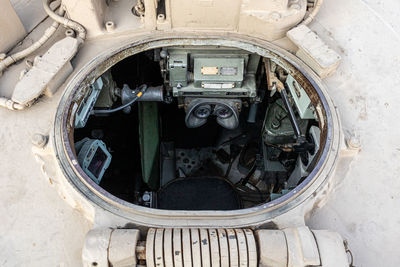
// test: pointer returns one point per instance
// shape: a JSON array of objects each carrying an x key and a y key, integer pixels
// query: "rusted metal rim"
[{"x": 257, "y": 215}]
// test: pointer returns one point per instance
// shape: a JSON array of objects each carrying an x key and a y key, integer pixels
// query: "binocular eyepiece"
[{"x": 225, "y": 111}]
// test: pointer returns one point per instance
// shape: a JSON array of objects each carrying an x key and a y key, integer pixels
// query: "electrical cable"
[
  {"x": 246, "y": 179},
  {"x": 233, "y": 139},
  {"x": 235, "y": 152},
  {"x": 65, "y": 21},
  {"x": 142, "y": 89},
  {"x": 310, "y": 17},
  {"x": 49, "y": 32}
]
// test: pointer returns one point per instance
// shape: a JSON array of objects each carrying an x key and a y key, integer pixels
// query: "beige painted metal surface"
[
  {"x": 9, "y": 20},
  {"x": 48, "y": 72},
  {"x": 122, "y": 247},
  {"x": 40, "y": 229},
  {"x": 90, "y": 13},
  {"x": 116, "y": 247},
  {"x": 313, "y": 51},
  {"x": 291, "y": 247},
  {"x": 365, "y": 89},
  {"x": 269, "y": 20},
  {"x": 300, "y": 247}
]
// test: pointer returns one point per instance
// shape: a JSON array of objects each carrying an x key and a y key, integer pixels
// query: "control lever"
[
  {"x": 302, "y": 145},
  {"x": 288, "y": 107},
  {"x": 274, "y": 84}
]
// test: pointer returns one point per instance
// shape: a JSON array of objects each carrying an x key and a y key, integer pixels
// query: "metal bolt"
[
  {"x": 110, "y": 26},
  {"x": 69, "y": 33},
  {"x": 160, "y": 17},
  {"x": 275, "y": 124},
  {"x": 39, "y": 140},
  {"x": 275, "y": 16},
  {"x": 163, "y": 54},
  {"x": 146, "y": 197},
  {"x": 29, "y": 63},
  {"x": 295, "y": 6},
  {"x": 354, "y": 142},
  {"x": 2, "y": 56}
]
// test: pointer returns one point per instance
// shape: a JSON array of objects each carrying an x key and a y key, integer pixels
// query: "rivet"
[
  {"x": 295, "y": 6},
  {"x": 354, "y": 142},
  {"x": 275, "y": 16},
  {"x": 39, "y": 140}
]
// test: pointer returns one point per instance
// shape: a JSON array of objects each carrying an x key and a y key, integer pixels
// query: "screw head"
[
  {"x": 354, "y": 142},
  {"x": 275, "y": 16},
  {"x": 146, "y": 197},
  {"x": 295, "y": 6},
  {"x": 39, "y": 140},
  {"x": 163, "y": 54}
]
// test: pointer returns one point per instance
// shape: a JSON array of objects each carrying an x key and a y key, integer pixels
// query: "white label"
[{"x": 218, "y": 85}]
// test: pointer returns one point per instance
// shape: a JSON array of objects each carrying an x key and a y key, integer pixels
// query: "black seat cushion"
[{"x": 198, "y": 193}]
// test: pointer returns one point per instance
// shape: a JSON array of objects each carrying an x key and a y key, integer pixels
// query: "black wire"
[
  {"x": 235, "y": 152},
  {"x": 249, "y": 194},
  {"x": 259, "y": 192},
  {"x": 233, "y": 139},
  {"x": 246, "y": 179},
  {"x": 142, "y": 89},
  {"x": 228, "y": 170}
]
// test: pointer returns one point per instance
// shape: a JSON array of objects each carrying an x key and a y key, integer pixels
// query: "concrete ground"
[{"x": 39, "y": 229}]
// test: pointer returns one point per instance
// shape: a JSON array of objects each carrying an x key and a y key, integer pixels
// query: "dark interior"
[{"x": 209, "y": 185}]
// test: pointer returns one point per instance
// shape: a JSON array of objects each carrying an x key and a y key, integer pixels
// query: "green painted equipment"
[
  {"x": 212, "y": 72},
  {"x": 149, "y": 143}
]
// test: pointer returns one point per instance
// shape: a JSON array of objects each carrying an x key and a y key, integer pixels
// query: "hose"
[
  {"x": 58, "y": 19},
  {"x": 4, "y": 64},
  {"x": 64, "y": 21},
  {"x": 313, "y": 13},
  {"x": 35, "y": 46},
  {"x": 142, "y": 90},
  {"x": 8, "y": 103}
]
